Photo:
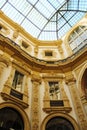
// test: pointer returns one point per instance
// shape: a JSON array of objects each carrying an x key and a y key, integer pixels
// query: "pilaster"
[
  {"x": 71, "y": 82},
  {"x": 25, "y": 95},
  {"x": 63, "y": 95},
  {"x": 4, "y": 62},
  {"x": 8, "y": 83},
  {"x": 46, "y": 96},
  {"x": 35, "y": 102}
]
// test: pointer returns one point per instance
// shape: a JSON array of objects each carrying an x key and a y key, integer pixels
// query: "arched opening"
[
  {"x": 84, "y": 83},
  {"x": 10, "y": 119},
  {"x": 59, "y": 123}
]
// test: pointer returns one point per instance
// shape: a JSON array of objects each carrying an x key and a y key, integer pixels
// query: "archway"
[
  {"x": 59, "y": 121},
  {"x": 10, "y": 119},
  {"x": 84, "y": 83},
  {"x": 13, "y": 117}
]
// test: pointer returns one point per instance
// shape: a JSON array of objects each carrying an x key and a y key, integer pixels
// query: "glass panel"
[
  {"x": 76, "y": 18},
  {"x": 79, "y": 41},
  {"x": 30, "y": 28},
  {"x": 69, "y": 14},
  {"x": 61, "y": 22},
  {"x": 51, "y": 26},
  {"x": 12, "y": 13},
  {"x": 73, "y": 4},
  {"x": 36, "y": 18},
  {"x": 42, "y": 6},
  {"x": 2, "y": 2},
  {"x": 49, "y": 15},
  {"x": 23, "y": 6},
  {"x": 83, "y": 5},
  {"x": 32, "y": 1},
  {"x": 63, "y": 30},
  {"x": 57, "y": 3},
  {"x": 18, "y": 81},
  {"x": 73, "y": 45},
  {"x": 47, "y": 35}
]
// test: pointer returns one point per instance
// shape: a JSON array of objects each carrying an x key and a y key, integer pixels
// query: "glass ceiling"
[{"x": 45, "y": 19}]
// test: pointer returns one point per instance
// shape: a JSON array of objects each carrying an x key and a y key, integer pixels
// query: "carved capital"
[
  {"x": 70, "y": 78},
  {"x": 15, "y": 34},
  {"x": 36, "y": 78}
]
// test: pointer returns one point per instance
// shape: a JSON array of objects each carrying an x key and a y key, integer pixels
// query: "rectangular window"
[
  {"x": 54, "y": 90},
  {"x": 48, "y": 53},
  {"x": 18, "y": 81}
]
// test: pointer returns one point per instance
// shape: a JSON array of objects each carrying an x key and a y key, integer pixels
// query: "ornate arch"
[
  {"x": 20, "y": 110},
  {"x": 66, "y": 116},
  {"x": 80, "y": 78}
]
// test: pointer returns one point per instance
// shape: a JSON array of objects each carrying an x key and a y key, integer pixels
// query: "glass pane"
[
  {"x": 23, "y": 6},
  {"x": 47, "y": 35},
  {"x": 30, "y": 28},
  {"x": 12, "y": 13},
  {"x": 83, "y": 5},
  {"x": 51, "y": 26},
  {"x": 43, "y": 10},
  {"x": 76, "y": 18},
  {"x": 57, "y": 3},
  {"x": 45, "y": 15},
  {"x": 73, "y": 4},
  {"x": 36, "y": 18},
  {"x": 2, "y": 2},
  {"x": 32, "y": 1}
]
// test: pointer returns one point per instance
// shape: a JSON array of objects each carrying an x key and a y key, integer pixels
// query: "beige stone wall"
[
  {"x": 36, "y": 89},
  {"x": 35, "y": 106}
]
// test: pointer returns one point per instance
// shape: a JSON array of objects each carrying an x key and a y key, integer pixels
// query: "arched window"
[
  {"x": 59, "y": 123},
  {"x": 10, "y": 119},
  {"x": 78, "y": 39}
]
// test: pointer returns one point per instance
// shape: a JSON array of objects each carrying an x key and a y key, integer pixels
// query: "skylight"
[{"x": 45, "y": 19}]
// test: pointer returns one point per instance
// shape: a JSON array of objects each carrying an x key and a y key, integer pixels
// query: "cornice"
[{"x": 43, "y": 66}]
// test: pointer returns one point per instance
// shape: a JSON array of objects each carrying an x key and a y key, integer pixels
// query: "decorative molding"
[
  {"x": 6, "y": 92},
  {"x": 47, "y": 106}
]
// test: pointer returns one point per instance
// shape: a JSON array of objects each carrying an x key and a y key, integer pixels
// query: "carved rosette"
[{"x": 71, "y": 82}]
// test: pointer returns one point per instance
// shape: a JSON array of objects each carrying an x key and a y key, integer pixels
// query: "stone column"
[
  {"x": 4, "y": 62},
  {"x": 60, "y": 49},
  {"x": 25, "y": 94},
  {"x": 2, "y": 66},
  {"x": 63, "y": 95},
  {"x": 46, "y": 96},
  {"x": 81, "y": 117},
  {"x": 35, "y": 102}
]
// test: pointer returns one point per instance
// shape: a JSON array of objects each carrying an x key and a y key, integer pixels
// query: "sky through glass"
[{"x": 45, "y": 19}]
